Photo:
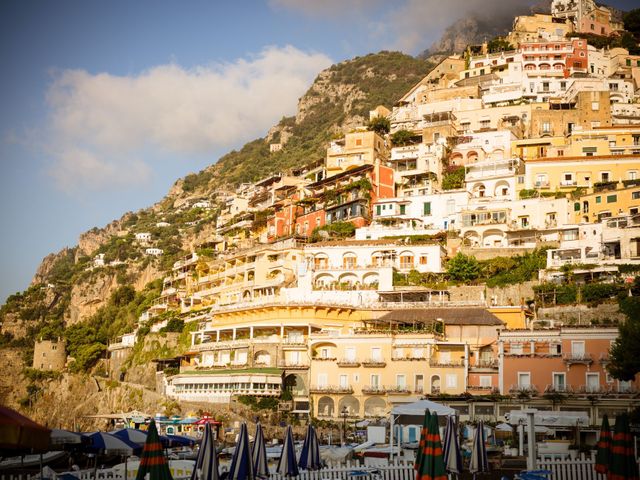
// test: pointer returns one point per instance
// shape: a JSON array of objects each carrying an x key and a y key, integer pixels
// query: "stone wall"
[
  {"x": 510, "y": 295},
  {"x": 582, "y": 314}
]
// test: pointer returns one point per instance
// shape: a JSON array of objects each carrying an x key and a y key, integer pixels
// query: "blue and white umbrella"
[
  {"x": 178, "y": 440},
  {"x": 106, "y": 443},
  {"x": 479, "y": 462},
  {"x": 259, "y": 454},
  {"x": 310, "y": 454},
  {"x": 241, "y": 463},
  {"x": 451, "y": 447},
  {"x": 133, "y": 435},
  {"x": 206, "y": 467},
  {"x": 287, "y": 465}
]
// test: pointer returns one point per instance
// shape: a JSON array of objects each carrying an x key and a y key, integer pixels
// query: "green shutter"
[
  {"x": 403, "y": 209},
  {"x": 378, "y": 209},
  {"x": 576, "y": 207},
  {"x": 427, "y": 208},
  {"x": 612, "y": 198},
  {"x": 598, "y": 199}
]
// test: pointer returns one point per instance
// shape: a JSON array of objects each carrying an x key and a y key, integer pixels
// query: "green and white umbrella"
[{"x": 152, "y": 461}]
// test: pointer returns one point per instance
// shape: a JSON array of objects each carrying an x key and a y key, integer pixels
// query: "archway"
[
  {"x": 262, "y": 357},
  {"x": 493, "y": 238},
  {"x": 295, "y": 384},
  {"x": 351, "y": 404},
  {"x": 374, "y": 407},
  {"x": 435, "y": 384},
  {"x": 326, "y": 407}
]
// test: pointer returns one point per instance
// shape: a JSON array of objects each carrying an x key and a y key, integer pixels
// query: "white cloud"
[{"x": 98, "y": 122}]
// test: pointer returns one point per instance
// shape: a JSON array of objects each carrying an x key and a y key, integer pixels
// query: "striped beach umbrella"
[
  {"x": 452, "y": 455},
  {"x": 153, "y": 464},
  {"x": 287, "y": 465},
  {"x": 310, "y": 454},
  {"x": 241, "y": 463},
  {"x": 603, "y": 452},
  {"x": 206, "y": 466},
  {"x": 431, "y": 465},
  {"x": 623, "y": 463},
  {"x": 133, "y": 435},
  {"x": 259, "y": 454},
  {"x": 102, "y": 442},
  {"x": 479, "y": 462},
  {"x": 423, "y": 438}
]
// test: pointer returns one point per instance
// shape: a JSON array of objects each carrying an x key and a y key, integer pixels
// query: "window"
[
  {"x": 598, "y": 199},
  {"x": 403, "y": 209},
  {"x": 612, "y": 198},
  {"x": 604, "y": 176},
  {"x": 344, "y": 381},
  {"x": 524, "y": 379},
  {"x": 406, "y": 261},
  {"x": 375, "y": 380},
  {"x": 324, "y": 353},
  {"x": 517, "y": 349},
  {"x": 423, "y": 259},
  {"x": 632, "y": 175},
  {"x": 350, "y": 354},
  {"x": 358, "y": 141},
  {"x": 426, "y": 208},
  {"x": 593, "y": 382},
  {"x": 452, "y": 381},
  {"x": 322, "y": 380},
  {"x": 401, "y": 381},
  {"x": 559, "y": 381},
  {"x": 635, "y": 195},
  {"x": 546, "y": 127},
  {"x": 595, "y": 105},
  {"x": 378, "y": 209},
  {"x": 376, "y": 354},
  {"x": 485, "y": 381},
  {"x": 577, "y": 349}
]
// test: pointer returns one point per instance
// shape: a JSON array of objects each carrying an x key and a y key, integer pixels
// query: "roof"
[{"x": 450, "y": 316}]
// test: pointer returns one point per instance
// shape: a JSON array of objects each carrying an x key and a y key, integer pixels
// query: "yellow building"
[
  {"x": 568, "y": 173},
  {"x": 354, "y": 150},
  {"x": 610, "y": 200},
  {"x": 530, "y": 28}
]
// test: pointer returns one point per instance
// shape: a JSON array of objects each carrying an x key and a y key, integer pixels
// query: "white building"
[
  {"x": 143, "y": 237},
  {"x": 415, "y": 215},
  {"x": 153, "y": 251},
  {"x": 163, "y": 224},
  {"x": 205, "y": 204}
]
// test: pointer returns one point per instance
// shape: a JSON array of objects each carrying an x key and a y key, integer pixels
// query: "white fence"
[
  {"x": 581, "y": 468},
  {"x": 399, "y": 470}
]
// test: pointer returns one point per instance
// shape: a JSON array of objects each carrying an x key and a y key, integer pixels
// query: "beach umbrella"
[
  {"x": 132, "y": 435},
  {"x": 310, "y": 454},
  {"x": 603, "y": 449},
  {"x": 431, "y": 465},
  {"x": 19, "y": 433},
  {"x": 479, "y": 462},
  {"x": 241, "y": 463},
  {"x": 152, "y": 460},
  {"x": 423, "y": 438},
  {"x": 206, "y": 467},
  {"x": 178, "y": 440},
  {"x": 102, "y": 442},
  {"x": 452, "y": 456},
  {"x": 259, "y": 454},
  {"x": 287, "y": 465},
  {"x": 65, "y": 437},
  {"x": 623, "y": 463}
]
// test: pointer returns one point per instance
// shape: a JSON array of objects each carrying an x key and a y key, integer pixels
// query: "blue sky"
[{"x": 106, "y": 104}]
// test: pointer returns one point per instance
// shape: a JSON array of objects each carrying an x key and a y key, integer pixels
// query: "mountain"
[{"x": 95, "y": 291}]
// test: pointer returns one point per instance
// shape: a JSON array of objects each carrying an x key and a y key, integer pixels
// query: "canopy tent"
[{"x": 413, "y": 414}]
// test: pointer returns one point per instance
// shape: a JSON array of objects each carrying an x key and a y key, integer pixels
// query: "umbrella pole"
[
  {"x": 126, "y": 460},
  {"x": 41, "y": 467}
]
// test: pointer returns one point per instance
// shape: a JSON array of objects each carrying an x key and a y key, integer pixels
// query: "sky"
[{"x": 103, "y": 105}]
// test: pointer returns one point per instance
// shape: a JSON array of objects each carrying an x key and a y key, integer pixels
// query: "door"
[
  {"x": 419, "y": 383},
  {"x": 350, "y": 354},
  {"x": 593, "y": 382}
]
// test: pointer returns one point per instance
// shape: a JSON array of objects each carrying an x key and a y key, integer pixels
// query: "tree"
[
  {"x": 632, "y": 22},
  {"x": 401, "y": 138},
  {"x": 625, "y": 352},
  {"x": 453, "y": 179},
  {"x": 499, "y": 44},
  {"x": 463, "y": 268},
  {"x": 380, "y": 125}
]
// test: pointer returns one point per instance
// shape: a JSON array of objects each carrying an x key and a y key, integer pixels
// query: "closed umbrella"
[
  {"x": 431, "y": 465},
  {"x": 206, "y": 467},
  {"x": 259, "y": 454},
  {"x": 423, "y": 439},
  {"x": 310, "y": 454},
  {"x": 287, "y": 465},
  {"x": 603, "y": 452},
  {"x": 623, "y": 463},
  {"x": 479, "y": 462},
  {"x": 152, "y": 461},
  {"x": 241, "y": 463},
  {"x": 452, "y": 456},
  {"x": 19, "y": 433}
]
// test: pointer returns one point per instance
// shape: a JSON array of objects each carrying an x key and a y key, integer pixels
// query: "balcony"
[
  {"x": 518, "y": 389},
  {"x": 446, "y": 363},
  {"x": 374, "y": 390},
  {"x": 324, "y": 359},
  {"x": 550, "y": 389},
  {"x": 484, "y": 389},
  {"x": 346, "y": 362},
  {"x": 408, "y": 358},
  {"x": 331, "y": 389},
  {"x": 397, "y": 390},
  {"x": 291, "y": 365},
  {"x": 489, "y": 364},
  {"x": 604, "y": 359},
  {"x": 578, "y": 358},
  {"x": 374, "y": 362}
]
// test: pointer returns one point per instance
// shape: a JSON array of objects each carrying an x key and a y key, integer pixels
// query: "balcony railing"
[
  {"x": 446, "y": 363},
  {"x": 324, "y": 359},
  {"x": 374, "y": 390},
  {"x": 584, "y": 358},
  {"x": 397, "y": 389},
  {"x": 523, "y": 389},
  {"x": 347, "y": 362},
  {"x": 338, "y": 389},
  {"x": 493, "y": 363},
  {"x": 410, "y": 358},
  {"x": 293, "y": 365},
  {"x": 374, "y": 362}
]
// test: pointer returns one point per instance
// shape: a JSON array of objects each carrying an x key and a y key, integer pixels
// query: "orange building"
[{"x": 568, "y": 360}]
